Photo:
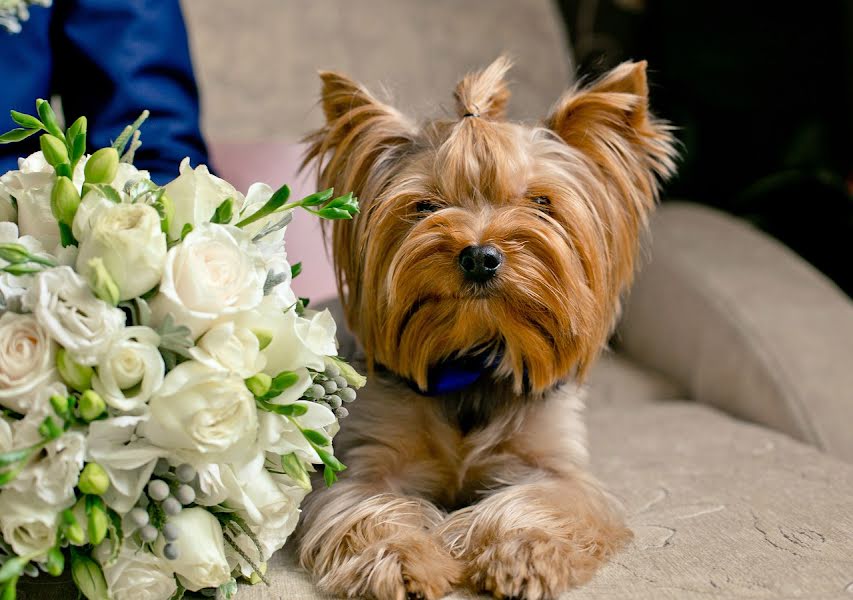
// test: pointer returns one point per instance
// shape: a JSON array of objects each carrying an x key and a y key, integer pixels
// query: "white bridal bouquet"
[{"x": 164, "y": 394}]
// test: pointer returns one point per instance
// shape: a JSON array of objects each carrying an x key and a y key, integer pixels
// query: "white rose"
[
  {"x": 31, "y": 186},
  {"x": 296, "y": 341},
  {"x": 82, "y": 324},
  {"x": 54, "y": 473},
  {"x": 231, "y": 348},
  {"x": 26, "y": 360},
  {"x": 27, "y": 523},
  {"x": 131, "y": 369},
  {"x": 215, "y": 272},
  {"x": 196, "y": 194},
  {"x": 127, "y": 237},
  {"x": 127, "y": 458},
  {"x": 136, "y": 573},
  {"x": 202, "y": 411},
  {"x": 201, "y": 561}
]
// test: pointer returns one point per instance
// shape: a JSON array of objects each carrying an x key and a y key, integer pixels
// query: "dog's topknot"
[{"x": 484, "y": 93}]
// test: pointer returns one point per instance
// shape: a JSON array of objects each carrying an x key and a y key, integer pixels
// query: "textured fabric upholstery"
[{"x": 745, "y": 325}]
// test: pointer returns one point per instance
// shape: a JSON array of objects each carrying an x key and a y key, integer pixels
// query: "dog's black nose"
[{"x": 480, "y": 263}]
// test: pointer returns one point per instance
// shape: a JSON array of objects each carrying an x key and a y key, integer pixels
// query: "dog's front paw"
[
  {"x": 536, "y": 564},
  {"x": 408, "y": 565}
]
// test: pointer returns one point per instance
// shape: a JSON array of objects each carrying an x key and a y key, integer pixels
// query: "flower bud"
[
  {"x": 64, "y": 200},
  {"x": 259, "y": 384},
  {"x": 55, "y": 561},
  {"x": 59, "y": 404},
  {"x": 91, "y": 405},
  {"x": 353, "y": 377},
  {"x": 88, "y": 577},
  {"x": 93, "y": 480},
  {"x": 73, "y": 531},
  {"x": 264, "y": 337},
  {"x": 54, "y": 150},
  {"x": 98, "y": 523},
  {"x": 49, "y": 430},
  {"x": 14, "y": 253},
  {"x": 166, "y": 209},
  {"x": 75, "y": 375},
  {"x": 102, "y": 166},
  {"x": 102, "y": 283}
]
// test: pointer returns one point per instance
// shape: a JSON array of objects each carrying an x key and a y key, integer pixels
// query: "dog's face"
[{"x": 481, "y": 235}]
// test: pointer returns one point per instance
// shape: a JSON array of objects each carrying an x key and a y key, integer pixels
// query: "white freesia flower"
[
  {"x": 202, "y": 412},
  {"x": 82, "y": 324},
  {"x": 130, "y": 370},
  {"x": 230, "y": 348},
  {"x": 26, "y": 360},
  {"x": 215, "y": 272},
  {"x": 31, "y": 186},
  {"x": 282, "y": 435},
  {"x": 296, "y": 341},
  {"x": 27, "y": 523},
  {"x": 53, "y": 474},
  {"x": 127, "y": 237},
  {"x": 196, "y": 194},
  {"x": 136, "y": 574},
  {"x": 201, "y": 561},
  {"x": 128, "y": 459}
]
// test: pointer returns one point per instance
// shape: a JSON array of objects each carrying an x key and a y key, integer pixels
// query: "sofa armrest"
[{"x": 745, "y": 325}]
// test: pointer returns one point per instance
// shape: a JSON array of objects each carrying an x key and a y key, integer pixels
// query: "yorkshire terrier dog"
[{"x": 482, "y": 278}]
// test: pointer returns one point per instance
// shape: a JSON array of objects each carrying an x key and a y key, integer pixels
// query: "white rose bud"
[
  {"x": 136, "y": 574},
  {"x": 215, "y": 272},
  {"x": 65, "y": 306},
  {"x": 196, "y": 194},
  {"x": 201, "y": 561},
  {"x": 231, "y": 348},
  {"x": 127, "y": 238},
  {"x": 26, "y": 360},
  {"x": 202, "y": 411},
  {"x": 27, "y": 523},
  {"x": 130, "y": 370}
]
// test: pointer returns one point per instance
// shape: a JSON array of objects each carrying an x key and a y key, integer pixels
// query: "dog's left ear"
[{"x": 609, "y": 120}]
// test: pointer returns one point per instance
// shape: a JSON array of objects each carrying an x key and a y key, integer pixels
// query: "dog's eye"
[
  {"x": 541, "y": 200},
  {"x": 427, "y": 206}
]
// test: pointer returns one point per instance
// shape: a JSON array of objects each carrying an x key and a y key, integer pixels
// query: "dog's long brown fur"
[{"x": 487, "y": 487}]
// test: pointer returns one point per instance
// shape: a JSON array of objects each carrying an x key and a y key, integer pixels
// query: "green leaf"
[
  {"x": 175, "y": 338},
  {"x": 10, "y": 475},
  {"x": 329, "y": 476},
  {"x": 334, "y": 214},
  {"x": 330, "y": 460},
  {"x": 286, "y": 410},
  {"x": 282, "y": 381},
  {"x": 16, "y": 135},
  {"x": 223, "y": 212},
  {"x": 13, "y": 568},
  {"x": 14, "y": 456},
  {"x": 347, "y": 201},
  {"x": 295, "y": 270},
  {"x": 186, "y": 230},
  {"x": 104, "y": 189},
  {"x": 179, "y": 593},
  {"x": 316, "y": 437},
  {"x": 48, "y": 117},
  {"x": 275, "y": 202},
  {"x": 26, "y": 121},
  {"x": 293, "y": 466},
  {"x": 317, "y": 198},
  {"x": 66, "y": 237}
]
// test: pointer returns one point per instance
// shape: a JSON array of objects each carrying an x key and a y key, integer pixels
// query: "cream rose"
[
  {"x": 202, "y": 412},
  {"x": 196, "y": 194},
  {"x": 65, "y": 306},
  {"x": 201, "y": 561},
  {"x": 131, "y": 369},
  {"x": 230, "y": 348},
  {"x": 215, "y": 272},
  {"x": 296, "y": 341},
  {"x": 26, "y": 360},
  {"x": 127, "y": 237},
  {"x": 136, "y": 574},
  {"x": 27, "y": 523}
]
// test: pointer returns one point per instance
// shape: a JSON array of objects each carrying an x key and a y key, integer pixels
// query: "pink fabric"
[{"x": 275, "y": 163}]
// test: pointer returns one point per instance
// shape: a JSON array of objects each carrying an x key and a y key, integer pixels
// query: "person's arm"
[{"x": 114, "y": 59}]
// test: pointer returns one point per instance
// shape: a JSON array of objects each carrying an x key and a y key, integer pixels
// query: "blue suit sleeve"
[{"x": 115, "y": 58}]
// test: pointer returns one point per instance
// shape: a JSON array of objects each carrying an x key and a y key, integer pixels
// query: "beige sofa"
[{"x": 723, "y": 417}]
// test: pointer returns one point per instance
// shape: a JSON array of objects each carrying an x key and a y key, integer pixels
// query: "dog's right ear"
[{"x": 361, "y": 133}]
